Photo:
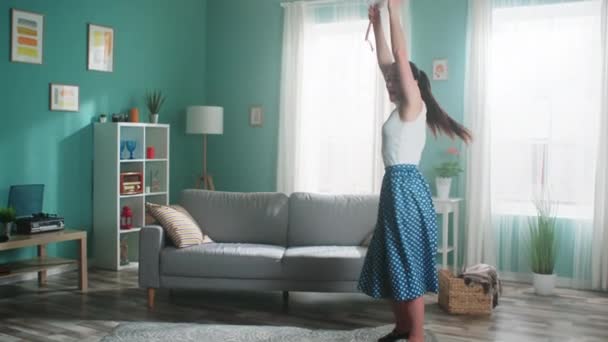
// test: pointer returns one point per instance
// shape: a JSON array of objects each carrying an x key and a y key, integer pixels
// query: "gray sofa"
[{"x": 263, "y": 241}]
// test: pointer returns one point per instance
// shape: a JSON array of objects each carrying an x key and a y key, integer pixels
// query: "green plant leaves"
[
  {"x": 543, "y": 240},
  {"x": 7, "y": 215},
  {"x": 449, "y": 169},
  {"x": 154, "y": 101}
]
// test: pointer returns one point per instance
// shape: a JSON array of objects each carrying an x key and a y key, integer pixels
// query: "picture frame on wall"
[
  {"x": 256, "y": 116},
  {"x": 27, "y": 37},
  {"x": 100, "y": 54},
  {"x": 64, "y": 97},
  {"x": 440, "y": 70}
]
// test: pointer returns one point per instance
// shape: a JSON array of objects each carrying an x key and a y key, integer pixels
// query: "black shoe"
[{"x": 394, "y": 336}]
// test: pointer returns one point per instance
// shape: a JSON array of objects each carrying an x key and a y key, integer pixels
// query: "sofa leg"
[
  {"x": 285, "y": 297},
  {"x": 151, "y": 293}
]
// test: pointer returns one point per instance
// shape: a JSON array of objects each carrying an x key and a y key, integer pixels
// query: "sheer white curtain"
[
  {"x": 291, "y": 95},
  {"x": 541, "y": 112},
  {"x": 479, "y": 246},
  {"x": 333, "y": 101},
  {"x": 599, "y": 279}
]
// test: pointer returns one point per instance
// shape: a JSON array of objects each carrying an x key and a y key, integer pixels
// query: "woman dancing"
[{"x": 400, "y": 262}]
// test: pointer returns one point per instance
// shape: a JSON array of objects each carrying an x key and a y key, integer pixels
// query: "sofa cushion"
[
  {"x": 223, "y": 260},
  {"x": 180, "y": 227},
  {"x": 330, "y": 220},
  {"x": 320, "y": 263},
  {"x": 231, "y": 217}
]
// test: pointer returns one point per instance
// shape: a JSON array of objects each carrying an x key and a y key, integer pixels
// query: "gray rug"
[{"x": 149, "y": 332}]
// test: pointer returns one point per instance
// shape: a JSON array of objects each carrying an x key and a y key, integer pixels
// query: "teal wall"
[
  {"x": 158, "y": 44},
  {"x": 439, "y": 30},
  {"x": 244, "y": 68}
]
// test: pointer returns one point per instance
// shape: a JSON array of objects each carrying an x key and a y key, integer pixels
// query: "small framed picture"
[
  {"x": 101, "y": 48},
  {"x": 64, "y": 98},
  {"x": 440, "y": 69},
  {"x": 27, "y": 35},
  {"x": 256, "y": 116}
]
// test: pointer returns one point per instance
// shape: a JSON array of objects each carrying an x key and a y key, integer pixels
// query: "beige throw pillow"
[{"x": 179, "y": 225}]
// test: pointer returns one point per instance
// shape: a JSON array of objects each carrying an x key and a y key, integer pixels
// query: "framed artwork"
[
  {"x": 64, "y": 98},
  {"x": 440, "y": 69},
  {"x": 27, "y": 35},
  {"x": 101, "y": 48},
  {"x": 256, "y": 116}
]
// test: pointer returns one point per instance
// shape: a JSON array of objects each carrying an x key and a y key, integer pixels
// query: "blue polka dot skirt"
[{"x": 400, "y": 260}]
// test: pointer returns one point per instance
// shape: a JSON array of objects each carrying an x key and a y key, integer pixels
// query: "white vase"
[
  {"x": 544, "y": 284},
  {"x": 154, "y": 118},
  {"x": 443, "y": 187}
]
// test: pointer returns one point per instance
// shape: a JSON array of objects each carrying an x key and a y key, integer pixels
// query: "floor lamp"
[{"x": 205, "y": 120}]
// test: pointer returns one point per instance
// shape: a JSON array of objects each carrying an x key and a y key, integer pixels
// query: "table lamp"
[{"x": 205, "y": 120}]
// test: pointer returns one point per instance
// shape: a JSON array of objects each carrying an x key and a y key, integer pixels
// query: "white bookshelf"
[{"x": 107, "y": 199}]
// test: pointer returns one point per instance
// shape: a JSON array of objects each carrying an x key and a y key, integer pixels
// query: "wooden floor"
[{"x": 60, "y": 313}]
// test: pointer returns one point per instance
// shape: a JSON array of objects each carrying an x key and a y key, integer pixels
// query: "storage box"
[{"x": 456, "y": 297}]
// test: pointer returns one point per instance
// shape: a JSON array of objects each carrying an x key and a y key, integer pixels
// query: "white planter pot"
[
  {"x": 544, "y": 284},
  {"x": 443, "y": 187},
  {"x": 154, "y": 118}
]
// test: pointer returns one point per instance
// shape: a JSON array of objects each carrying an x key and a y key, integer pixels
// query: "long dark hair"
[{"x": 436, "y": 118}]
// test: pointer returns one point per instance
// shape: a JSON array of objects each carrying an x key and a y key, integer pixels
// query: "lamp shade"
[{"x": 204, "y": 120}]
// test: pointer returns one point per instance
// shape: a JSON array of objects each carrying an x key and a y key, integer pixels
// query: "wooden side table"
[
  {"x": 444, "y": 207},
  {"x": 42, "y": 263}
]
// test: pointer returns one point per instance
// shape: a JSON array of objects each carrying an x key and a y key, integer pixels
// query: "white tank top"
[{"x": 403, "y": 141}]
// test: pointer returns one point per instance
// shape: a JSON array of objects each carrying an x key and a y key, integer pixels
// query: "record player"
[{"x": 39, "y": 223}]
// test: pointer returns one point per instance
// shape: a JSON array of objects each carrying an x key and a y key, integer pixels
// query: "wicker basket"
[{"x": 457, "y": 298}]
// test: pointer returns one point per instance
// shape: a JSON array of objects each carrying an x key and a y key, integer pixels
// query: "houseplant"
[
  {"x": 154, "y": 101},
  {"x": 7, "y": 217},
  {"x": 445, "y": 172},
  {"x": 543, "y": 247}
]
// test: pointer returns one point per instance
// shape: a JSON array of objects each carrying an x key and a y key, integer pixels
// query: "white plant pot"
[
  {"x": 154, "y": 118},
  {"x": 443, "y": 187},
  {"x": 544, "y": 284}
]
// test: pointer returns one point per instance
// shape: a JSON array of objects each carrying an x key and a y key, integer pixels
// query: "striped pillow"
[{"x": 179, "y": 225}]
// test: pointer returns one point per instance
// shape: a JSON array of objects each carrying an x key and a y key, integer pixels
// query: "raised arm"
[
  {"x": 413, "y": 101},
  {"x": 385, "y": 59}
]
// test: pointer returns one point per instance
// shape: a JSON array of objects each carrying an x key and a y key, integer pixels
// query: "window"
[
  {"x": 338, "y": 148},
  {"x": 544, "y": 90}
]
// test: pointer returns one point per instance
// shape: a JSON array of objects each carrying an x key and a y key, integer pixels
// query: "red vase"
[{"x": 150, "y": 152}]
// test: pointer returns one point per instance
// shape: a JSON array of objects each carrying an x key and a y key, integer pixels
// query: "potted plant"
[
  {"x": 445, "y": 172},
  {"x": 103, "y": 118},
  {"x": 154, "y": 100},
  {"x": 543, "y": 247},
  {"x": 7, "y": 217}
]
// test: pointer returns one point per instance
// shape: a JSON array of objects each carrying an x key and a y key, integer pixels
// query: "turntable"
[{"x": 39, "y": 223}]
